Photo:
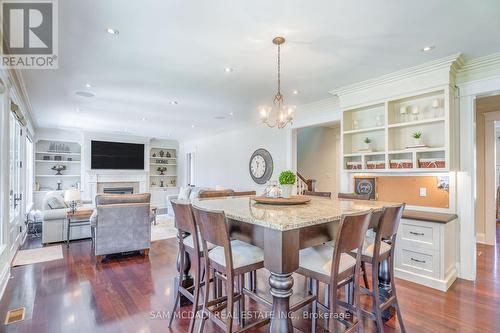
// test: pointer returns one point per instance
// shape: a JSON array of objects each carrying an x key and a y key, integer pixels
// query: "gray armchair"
[{"x": 121, "y": 223}]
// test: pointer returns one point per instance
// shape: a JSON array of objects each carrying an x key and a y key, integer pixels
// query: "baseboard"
[
  {"x": 480, "y": 238},
  {"x": 427, "y": 281},
  {"x": 4, "y": 279}
]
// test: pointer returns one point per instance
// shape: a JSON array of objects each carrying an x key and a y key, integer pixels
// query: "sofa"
[
  {"x": 54, "y": 221},
  {"x": 185, "y": 193},
  {"x": 121, "y": 223}
]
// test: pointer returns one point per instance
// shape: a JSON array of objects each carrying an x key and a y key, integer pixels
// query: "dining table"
[{"x": 282, "y": 231}]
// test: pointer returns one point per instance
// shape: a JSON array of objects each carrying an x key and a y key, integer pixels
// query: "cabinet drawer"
[
  {"x": 424, "y": 236},
  {"x": 418, "y": 262}
]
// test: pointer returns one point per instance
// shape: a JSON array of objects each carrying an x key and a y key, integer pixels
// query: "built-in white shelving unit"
[
  {"x": 158, "y": 158},
  {"x": 49, "y": 153},
  {"x": 389, "y": 125}
]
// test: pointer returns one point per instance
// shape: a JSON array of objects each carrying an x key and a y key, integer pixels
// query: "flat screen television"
[{"x": 117, "y": 155}]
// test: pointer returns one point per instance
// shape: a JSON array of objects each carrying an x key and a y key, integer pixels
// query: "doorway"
[
  {"x": 488, "y": 168},
  {"x": 318, "y": 156}
]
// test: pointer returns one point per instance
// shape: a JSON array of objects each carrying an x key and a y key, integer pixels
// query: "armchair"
[{"x": 121, "y": 223}]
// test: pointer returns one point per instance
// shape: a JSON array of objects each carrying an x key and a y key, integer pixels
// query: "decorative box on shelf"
[
  {"x": 401, "y": 164},
  {"x": 354, "y": 166},
  {"x": 375, "y": 165},
  {"x": 430, "y": 163}
]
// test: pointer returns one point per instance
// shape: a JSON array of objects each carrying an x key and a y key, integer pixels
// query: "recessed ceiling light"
[
  {"x": 88, "y": 85},
  {"x": 78, "y": 110},
  {"x": 295, "y": 92},
  {"x": 192, "y": 126},
  {"x": 174, "y": 102},
  {"x": 428, "y": 48},
  {"x": 143, "y": 119},
  {"x": 112, "y": 31},
  {"x": 231, "y": 114},
  {"x": 228, "y": 69},
  {"x": 84, "y": 94}
]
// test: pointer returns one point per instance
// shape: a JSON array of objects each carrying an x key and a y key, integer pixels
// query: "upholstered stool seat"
[
  {"x": 368, "y": 247},
  {"x": 189, "y": 242},
  {"x": 243, "y": 254},
  {"x": 319, "y": 259}
]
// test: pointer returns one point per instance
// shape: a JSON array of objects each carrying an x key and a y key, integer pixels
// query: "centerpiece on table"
[{"x": 287, "y": 180}]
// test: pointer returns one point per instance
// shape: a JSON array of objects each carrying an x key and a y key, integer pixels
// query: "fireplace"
[
  {"x": 118, "y": 187},
  {"x": 119, "y": 190}
]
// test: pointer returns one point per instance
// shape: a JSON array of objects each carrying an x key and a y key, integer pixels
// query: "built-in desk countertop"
[{"x": 429, "y": 216}]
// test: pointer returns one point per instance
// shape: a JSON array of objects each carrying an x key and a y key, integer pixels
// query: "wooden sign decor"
[{"x": 366, "y": 186}]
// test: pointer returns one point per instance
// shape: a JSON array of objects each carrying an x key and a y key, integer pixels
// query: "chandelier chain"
[{"x": 279, "y": 69}]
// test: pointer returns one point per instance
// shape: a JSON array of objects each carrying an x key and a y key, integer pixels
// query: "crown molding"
[
  {"x": 453, "y": 63},
  {"x": 330, "y": 103},
  {"x": 13, "y": 84},
  {"x": 477, "y": 68}
]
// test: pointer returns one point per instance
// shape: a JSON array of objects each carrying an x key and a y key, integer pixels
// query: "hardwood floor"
[{"x": 130, "y": 294}]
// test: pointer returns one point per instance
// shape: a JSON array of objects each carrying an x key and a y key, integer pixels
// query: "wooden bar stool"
[
  {"x": 185, "y": 224},
  {"x": 375, "y": 252},
  {"x": 336, "y": 267},
  {"x": 319, "y": 194},
  {"x": 231, "y": 261}
]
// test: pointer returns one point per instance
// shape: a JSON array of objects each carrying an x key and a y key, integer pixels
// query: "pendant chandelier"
[{"x": 277, "y": 115}]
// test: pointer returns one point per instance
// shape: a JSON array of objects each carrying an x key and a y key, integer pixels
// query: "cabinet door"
[{"x": 158, "y": 197}]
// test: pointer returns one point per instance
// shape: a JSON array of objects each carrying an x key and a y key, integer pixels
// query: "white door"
[
  {"x": 15, "y": 190},
  {"x": 190, "y": 169}
]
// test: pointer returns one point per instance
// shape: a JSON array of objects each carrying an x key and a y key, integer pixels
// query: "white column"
[{"x": 466, "y": 189}]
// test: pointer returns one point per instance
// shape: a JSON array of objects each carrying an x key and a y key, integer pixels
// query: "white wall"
[
  {"x": 222, "y": 159},
  {"x": 318, "y": 156}
]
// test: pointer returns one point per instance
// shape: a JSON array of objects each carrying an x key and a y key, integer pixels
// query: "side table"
[{"x": 77, "y": 219}]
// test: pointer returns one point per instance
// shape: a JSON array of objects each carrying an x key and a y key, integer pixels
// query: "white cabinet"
[
  {"x": 426, "y": 253},
  {"x": 159, "y": 196}
]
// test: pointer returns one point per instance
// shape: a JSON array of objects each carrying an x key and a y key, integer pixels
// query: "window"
[
  {"x": 29, "y": 173},
  {"x": 190, "y": 172}
]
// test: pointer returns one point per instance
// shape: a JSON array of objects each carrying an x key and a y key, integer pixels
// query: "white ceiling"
[{"x": 177, "y": 50}]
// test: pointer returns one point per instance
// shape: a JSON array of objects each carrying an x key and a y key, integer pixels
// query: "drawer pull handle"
[
  {"x": 419, "y": 261},
  {"x": 417, "y": 233}
]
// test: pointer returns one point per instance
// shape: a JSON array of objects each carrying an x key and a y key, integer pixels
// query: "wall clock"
[{"x": 261, "y": 166}]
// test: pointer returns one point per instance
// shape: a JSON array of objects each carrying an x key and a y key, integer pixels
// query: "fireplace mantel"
[{"x": 117, "y": 176}]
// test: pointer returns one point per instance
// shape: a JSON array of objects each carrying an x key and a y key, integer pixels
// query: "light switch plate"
[{"x": 423, "y": 191}]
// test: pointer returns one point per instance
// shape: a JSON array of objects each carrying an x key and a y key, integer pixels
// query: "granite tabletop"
[{"x": 317, "y": 211}]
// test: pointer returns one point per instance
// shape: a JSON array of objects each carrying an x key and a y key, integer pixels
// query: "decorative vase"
[
  {"x": 368, "y": 146},
  {"x": 402, "y": 114},
  {"x": 59, "y": 168},
  {"x": 286, "y": 190},
  {"x": 418, "y": 142}
]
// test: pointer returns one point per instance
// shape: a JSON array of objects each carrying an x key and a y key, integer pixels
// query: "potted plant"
[
  {"x": 417, "y": 138},
  {"x": 287, "y": 180},
  {"x": 368, "y": 143}
]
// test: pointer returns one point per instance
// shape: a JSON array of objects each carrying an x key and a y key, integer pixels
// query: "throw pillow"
[
  {"x": 184, "y": 193},
  {"x": 56, "y": 202}
]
